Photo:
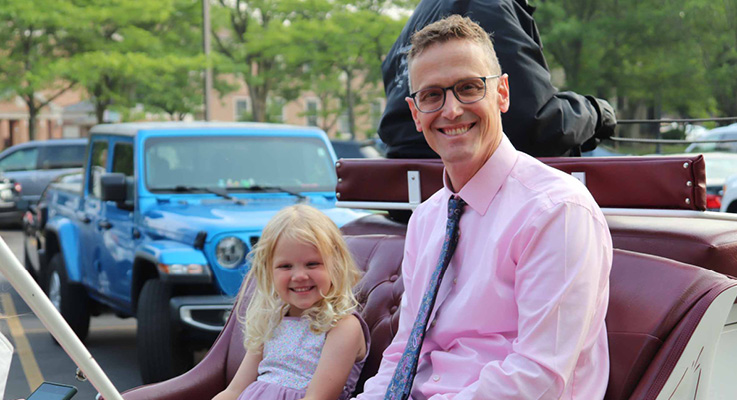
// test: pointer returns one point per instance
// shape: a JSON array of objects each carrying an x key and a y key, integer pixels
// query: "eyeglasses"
[{"x": 467, "y": 91}]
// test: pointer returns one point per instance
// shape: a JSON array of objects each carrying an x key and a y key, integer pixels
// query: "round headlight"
[{"x": 230, "y": 252}]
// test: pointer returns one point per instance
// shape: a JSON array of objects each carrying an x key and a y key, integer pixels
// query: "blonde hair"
[
  {"x": 454, "y": 27},
  {"x": 266, "y": 309}
]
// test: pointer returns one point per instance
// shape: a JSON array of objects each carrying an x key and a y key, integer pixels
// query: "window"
[
  {"x": 21, "y": 160},
  {"x": 123, "y": 163},
  {"x": 99, "y": 165},
  {"x": 238, "y": 163},
  {"x": 311, "y": 112},
  {"x": 123, "y": 159},
  {"x": 63, "y": 156},
  {"x": 243, "y": 109}
]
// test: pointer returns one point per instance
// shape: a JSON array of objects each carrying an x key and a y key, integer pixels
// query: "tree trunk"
[
  {"x": 33, "y": 111},
  {"x": 100, "y": 112}
]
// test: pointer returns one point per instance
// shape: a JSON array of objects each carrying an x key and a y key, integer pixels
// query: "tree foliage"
[
  {"x": 36, "y": 51},
  {"x": 672, "y": 56}
]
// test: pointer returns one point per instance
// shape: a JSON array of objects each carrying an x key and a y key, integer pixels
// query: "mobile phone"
[{"x": 53, "y": 391}]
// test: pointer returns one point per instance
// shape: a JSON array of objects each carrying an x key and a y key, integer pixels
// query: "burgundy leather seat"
[{"x": 655, "y": 304}]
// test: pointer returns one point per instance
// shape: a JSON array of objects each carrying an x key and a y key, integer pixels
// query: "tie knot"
[{"x": 455, "y": 206}]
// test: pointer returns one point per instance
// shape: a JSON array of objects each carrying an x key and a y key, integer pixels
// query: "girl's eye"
[
  {"x": 284, "y": 266},
  {"x": 313, "y": 264}
]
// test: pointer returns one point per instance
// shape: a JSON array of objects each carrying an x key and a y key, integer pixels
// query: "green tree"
[
  {"x": 714, "y": 24},
  {"x": 343, "y": 52},
  {"x": 36, "y": 51},
  {"x": 139, "y": 51},
  {"x": 642, "y": 52}
]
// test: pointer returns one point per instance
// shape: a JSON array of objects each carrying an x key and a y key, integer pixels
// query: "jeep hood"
[{"x": 182, "y": 221}]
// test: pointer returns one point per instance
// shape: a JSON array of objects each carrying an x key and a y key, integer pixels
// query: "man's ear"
[
  {"x": 503, "y": 92},
  {"x": 415, "y": 113}
]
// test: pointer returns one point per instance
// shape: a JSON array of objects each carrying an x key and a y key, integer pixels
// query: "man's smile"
[{"x": 456, "y": 130}]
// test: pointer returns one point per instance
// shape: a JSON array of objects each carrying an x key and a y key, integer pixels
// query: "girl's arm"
[
  {"x": 246, "y": 374},
  {"x": 344, "y": 345}
]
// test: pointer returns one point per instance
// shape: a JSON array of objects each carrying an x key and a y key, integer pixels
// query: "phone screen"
[{"x": 53, "y": 391}]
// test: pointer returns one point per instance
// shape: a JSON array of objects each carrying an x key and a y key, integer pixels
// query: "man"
[
  {"x": 542, "y": 121},
  {"x": 519, "y": 313}
]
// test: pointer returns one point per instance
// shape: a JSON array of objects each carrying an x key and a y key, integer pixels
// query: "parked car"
[
  {"x": 722, "y": 133},
  {"x": 159, "y": 223},
  {"x": 36, "y": 163},
  {"x": 355, "y": 148}
]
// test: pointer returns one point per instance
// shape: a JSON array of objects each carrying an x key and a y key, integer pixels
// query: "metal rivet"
[
  {"x": 337, "y": 195},
  {"x": 685, "y": 165},
  {"x": 341, "y": 180},
  {"x": 689, "y": 183},
  {"x": 688, "y": 201},
  {"x": 337, "y": 165}
]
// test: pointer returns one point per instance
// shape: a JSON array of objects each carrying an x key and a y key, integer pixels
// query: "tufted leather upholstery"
[{"x": 654, "y": 305}]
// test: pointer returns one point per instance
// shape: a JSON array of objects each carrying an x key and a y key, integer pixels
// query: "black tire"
[
  {"x": 161, "y": 351},
  {"x": 70, "y": 299}
]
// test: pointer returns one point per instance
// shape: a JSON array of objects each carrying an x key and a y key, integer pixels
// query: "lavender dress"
[{"x": 290, "y": 360}]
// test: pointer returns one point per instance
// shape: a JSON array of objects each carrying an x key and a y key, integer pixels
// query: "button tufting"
[
  {"x": 393, "y": 309},
  {"x": 393, "y": 278}
]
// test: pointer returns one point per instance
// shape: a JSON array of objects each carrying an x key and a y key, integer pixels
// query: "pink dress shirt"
[{"x": 520, "y": 312}]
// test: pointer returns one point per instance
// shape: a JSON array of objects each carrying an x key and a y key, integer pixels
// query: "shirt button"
[{"x": 436, "y": 378}]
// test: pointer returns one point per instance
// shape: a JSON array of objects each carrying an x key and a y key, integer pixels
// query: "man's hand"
[{"x": 607, "y": 118}]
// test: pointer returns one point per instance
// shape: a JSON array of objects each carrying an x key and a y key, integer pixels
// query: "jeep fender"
[
  {"x": 62, "y": 235},
  {"x": 148, "y": 256}
]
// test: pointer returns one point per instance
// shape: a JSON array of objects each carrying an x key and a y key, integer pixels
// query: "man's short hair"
[{"x": 454, "y": 27}]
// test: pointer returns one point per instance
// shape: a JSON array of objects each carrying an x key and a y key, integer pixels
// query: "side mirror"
[{"x": 113, "y": 187}]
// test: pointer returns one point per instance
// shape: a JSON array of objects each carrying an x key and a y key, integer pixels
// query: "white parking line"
[{"x": 22, "y": 347}]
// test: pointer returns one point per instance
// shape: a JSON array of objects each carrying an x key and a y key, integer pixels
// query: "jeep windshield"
[{"x": 238, "y": 164}]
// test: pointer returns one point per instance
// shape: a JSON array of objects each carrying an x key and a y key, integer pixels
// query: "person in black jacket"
[{"x": 541, "y": 121}]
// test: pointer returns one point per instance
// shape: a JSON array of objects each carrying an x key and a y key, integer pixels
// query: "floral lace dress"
[{"x": 290, "y": 360}]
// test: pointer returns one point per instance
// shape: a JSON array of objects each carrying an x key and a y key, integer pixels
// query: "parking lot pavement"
[{"x": 112, "y": 342}]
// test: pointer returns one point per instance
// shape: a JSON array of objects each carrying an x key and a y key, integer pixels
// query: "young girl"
[{"x": 303, "y": 338}]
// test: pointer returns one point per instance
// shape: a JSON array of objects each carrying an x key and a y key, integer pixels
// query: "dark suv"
[{"x": 32, "y": 165}]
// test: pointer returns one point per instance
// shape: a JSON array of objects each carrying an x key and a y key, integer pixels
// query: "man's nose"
[{"x": 452, "y": 108}]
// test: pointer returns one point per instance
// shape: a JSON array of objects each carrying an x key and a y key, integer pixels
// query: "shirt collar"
[{"x": 484, "y": 185}]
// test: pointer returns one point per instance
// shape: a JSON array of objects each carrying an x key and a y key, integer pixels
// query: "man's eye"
[
  {"x": 430, "y": 95},
  {"x": 468, "y": 87}
]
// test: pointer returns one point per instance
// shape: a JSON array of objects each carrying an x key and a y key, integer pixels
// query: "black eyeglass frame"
[{"x": 452, "y": 89}]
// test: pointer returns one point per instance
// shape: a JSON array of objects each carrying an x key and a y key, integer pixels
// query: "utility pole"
[{"x": 206, "y": 46}]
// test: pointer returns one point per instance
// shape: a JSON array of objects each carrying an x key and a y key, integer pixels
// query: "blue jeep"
[{"x": 160, "y": 222}]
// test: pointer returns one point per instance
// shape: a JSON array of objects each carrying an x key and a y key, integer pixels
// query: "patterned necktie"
[{"x": 401, "y": 383}]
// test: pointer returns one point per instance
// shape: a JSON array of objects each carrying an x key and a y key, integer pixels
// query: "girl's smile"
[{"x": 300, "y": 276}]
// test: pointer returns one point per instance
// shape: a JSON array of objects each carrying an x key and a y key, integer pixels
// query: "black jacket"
[{"x": 541, "y": 121}]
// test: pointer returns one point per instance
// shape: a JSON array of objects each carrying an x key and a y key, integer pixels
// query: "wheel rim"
[{"x": 55, "y": 290}]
